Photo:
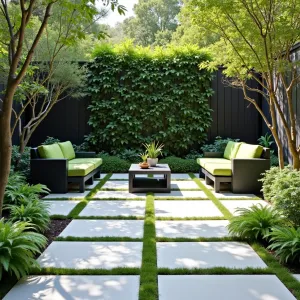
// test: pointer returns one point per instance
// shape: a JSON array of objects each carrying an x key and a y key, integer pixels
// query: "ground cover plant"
[{"x": 139, "y": 96}]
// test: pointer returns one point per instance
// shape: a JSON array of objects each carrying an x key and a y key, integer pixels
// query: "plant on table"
[
  {"x": 255, "y": 223},
  {"x": 144, "y": 164},
  {"x": 153, "y": 150},
  {"x": 18, "y": 247},
  {"x": 285, "y": 241},
  {"x": 35, "y": 212}
]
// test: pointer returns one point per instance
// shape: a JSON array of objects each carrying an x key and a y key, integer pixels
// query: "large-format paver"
[
  {"x": 92, "y": 255},
  {"x": 102, "y": 176},
  {"x": 297, "y": 276},
  {"x": 61, "y": 207},
  {"x": 182, "y": 176},
  {"x": 186, "y": 209},
  {"x": 116, "y": 184},
  {"x": 114, "y": 208},
  {"x": 124, "y": 176},
  {"x": 91, "y": 287},
  {"x": 233, "y": 205},
  {"x": 70, "y": 195},
  {"x": 184, "y": 184},
  {"x": 222, "y": 287},
  {"x": 192, "y": 229},
  {"x": 104, "y": 228},
  {"x": 182, "y": 195},
  {"x": 91, "y": 186},
  {"x": 229, "y": 195},
  {"x": 207, "y": 255},
  {"x": 118, "y": 195}
]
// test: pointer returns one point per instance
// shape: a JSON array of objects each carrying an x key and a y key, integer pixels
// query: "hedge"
[{"x": 140, "y": 95}]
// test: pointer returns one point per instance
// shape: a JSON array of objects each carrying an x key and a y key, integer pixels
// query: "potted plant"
[
  {"x": 144, "y": 164},
  {"x": 153, "y": 150}
]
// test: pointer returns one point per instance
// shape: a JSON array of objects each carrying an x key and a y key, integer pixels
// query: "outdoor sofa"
[
  {"x": 56, "y": 165},
  {"x": 241, "y": 165}
]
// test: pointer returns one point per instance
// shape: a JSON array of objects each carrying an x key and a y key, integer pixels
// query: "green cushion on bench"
[
  {"x": 50, "y": 151},
  {"x": 95, "y": 161},
  {"x": 218, "y": 169},
  {"x": 247, "y": 151},
  {"x": 203, "y": 161},
  {"x": 80, "y": 169},
  {"x": 67, "y": 149},
  {"x": 231, "y": 150}
]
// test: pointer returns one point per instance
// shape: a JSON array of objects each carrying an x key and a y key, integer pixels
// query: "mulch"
[{"x": 55, "y": 228}]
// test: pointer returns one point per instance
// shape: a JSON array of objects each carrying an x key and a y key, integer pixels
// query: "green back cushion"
[
  {"x": 50, "y": 151},
  {"x": 249, "y": 151},
  {"x": 67, "y": 150},
  {"x": 231, "y": 150}
]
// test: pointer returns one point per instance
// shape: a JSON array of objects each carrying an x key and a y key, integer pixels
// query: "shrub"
[
  {"x": 254, "y": 223},
  {"x": 18, "y": 246},
  {"x": 114, "y": 164},
  {"x": 82, "y": 147},
  {"x": 51, "y": 140},
  {"x": 129, "y": 155},
  {"x": 193, "y": 155},
  {"x": 285, "y": 241},
  {"x": 218, "y": 145},
  {"x": 180, "y": 165},
  {"x": 139, "y": 95},
  {"x": 23, "y": 193},
  {"x": 35, "y": 213},
  {"x": 268, "y": 181},
  {"x": 21, "y": 163}
]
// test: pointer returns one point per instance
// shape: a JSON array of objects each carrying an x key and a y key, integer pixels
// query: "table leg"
[
  {"x": 168, "y": 176},
  {"x": 131, "y": 177}
]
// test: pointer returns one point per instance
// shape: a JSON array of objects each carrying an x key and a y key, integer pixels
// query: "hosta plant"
[
  {"x": 18, "y": 246},
  {"x": 254, "y": 223},
  {"x": 35, "y": 212},
  {"x": 285, "y": 241}
]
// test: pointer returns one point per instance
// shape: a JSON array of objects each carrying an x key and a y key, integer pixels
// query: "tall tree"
[
  {"x": 152, "y": 18},
  {"x": 18, "y": 18},
  {"x": 256, "y": 40}
]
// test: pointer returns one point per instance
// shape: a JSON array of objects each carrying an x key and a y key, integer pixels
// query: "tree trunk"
[
  {"x": 279, "y": 148},
  {"x": 5, "y": 139}
]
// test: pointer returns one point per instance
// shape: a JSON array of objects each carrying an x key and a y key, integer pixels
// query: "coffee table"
[{"x": 147, "y": 184}]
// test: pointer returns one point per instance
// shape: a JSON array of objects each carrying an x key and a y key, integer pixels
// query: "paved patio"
[{"x": 112, "y": 223}]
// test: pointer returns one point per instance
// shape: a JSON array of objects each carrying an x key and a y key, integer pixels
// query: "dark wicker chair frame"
[
  {"x": 54, "y": 172},
  {"x": 245, "y": 173}
]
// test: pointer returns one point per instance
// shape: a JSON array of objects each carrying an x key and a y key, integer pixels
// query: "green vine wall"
[{"x": 139, "y": 95}]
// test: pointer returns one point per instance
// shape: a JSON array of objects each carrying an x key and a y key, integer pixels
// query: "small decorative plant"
[
  {"x": 153, "y": 150},
  {"x": 144, "y": 164}
]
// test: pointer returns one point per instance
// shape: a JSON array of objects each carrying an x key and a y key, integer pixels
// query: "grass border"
[{"x": 96, "y": 189}]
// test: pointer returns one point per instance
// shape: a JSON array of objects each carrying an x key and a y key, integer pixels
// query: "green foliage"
[
  {"x": 180, "y": 165},
  {"x": 35, "y": 212},
  {"x": 129, "y": 155},
  {"x": 51, "y": 140},
  {"x": 17, "y": 191},
  {"x": 193, "y": 155},
  {"x": 285, "y": 241},
  {"x": 144, "y": 156},
  {"x": 21, "y": 163},
  {"x": 282, "y": 188},
  {"x": 154, "y": 149},
  {"x": 266, "y": 140},
  {"x": 114, "y": 164},
  {"x": 139, "y": 95},
  {"x": 82, "y": 147},
  {"x": 218, "y": 145},
  {"x": 18, "y": 247},
  {"x": 255, "y": 223}
]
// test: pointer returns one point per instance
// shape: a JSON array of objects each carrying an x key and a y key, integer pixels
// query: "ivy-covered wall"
[{"x": 140, "y": 95}]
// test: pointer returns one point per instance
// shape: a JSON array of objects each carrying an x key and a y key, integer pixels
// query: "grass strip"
[
  {"x": 215, "y": 271},
  {"x": 109, "y": 218},
  {"x": 67, "y": 271},
  {"x": 96, "y": 189},
  {"x": 189, "y": 218},
  {"x": 279, "y": 270},
  {"x": 199, "y": 239},
  {"x": 77, "y": 209},
  {"x": 98, "y": 239},
  {"x": 212, "y": 197},
  {"x": 58, "y": 217},
  {"x": 148, "y": 280}
]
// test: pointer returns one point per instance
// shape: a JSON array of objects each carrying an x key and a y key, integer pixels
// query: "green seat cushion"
[
  {"x": 203, "y": 161},
  {"x": 95, "y": 161},
  {"x": 67, "y": 150},
  {"x": 247, "y": 151},
  {"x": 218, "y": 169},
  {"x": 80, "y": 169},
  {"x": 50, "y": 151},
  {"x": 231, "y": 150}
]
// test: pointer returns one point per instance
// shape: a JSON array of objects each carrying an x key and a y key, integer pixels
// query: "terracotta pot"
[
  {"x": 144, "y": 165},
  {"x": 152, "y": 161}
]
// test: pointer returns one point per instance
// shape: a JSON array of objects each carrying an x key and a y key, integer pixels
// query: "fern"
[
  {"x": 255, "y": 223},
  {"x": 18, "y": 246}
]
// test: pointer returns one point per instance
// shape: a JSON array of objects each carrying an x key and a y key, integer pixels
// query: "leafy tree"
[
  {"x": 153, "y": 18},
  {"x": 16, "y": 20},
  {"x": 256, "y": 39}
]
